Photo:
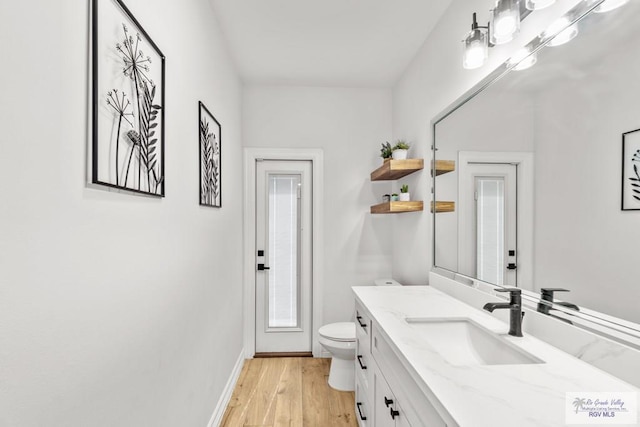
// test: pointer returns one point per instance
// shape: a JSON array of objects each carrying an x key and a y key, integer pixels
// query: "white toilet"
[{"x": 339, "y": 339}]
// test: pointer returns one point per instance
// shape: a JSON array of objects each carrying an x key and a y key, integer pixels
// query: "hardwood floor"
[{"x": 291, "y": 391}]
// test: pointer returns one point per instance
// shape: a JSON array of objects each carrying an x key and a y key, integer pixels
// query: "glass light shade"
[
  {"x": 609, "y": 5},
  {"x": 562, "y": 32},
  {"x": 538, "y": 4},
  {"x": 524, "y": 59},
  {"x": 476, "y": 49},
  {"x": 505, "y": 21}
]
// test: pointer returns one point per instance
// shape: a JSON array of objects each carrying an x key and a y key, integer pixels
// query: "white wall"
[
  {"x": 434, "y": 80},
  {"x": 349, "y": 125},
  {"x": 115, "y": 309}
]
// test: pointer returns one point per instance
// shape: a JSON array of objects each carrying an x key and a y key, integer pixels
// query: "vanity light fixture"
[
  {"x": 503, "y": 26},
  {"x": 561, "y": 32},
  {"x": 476, "y": 46},
  {"x": 504, "y": 21},
  {"x": 524, "y": 59},
  {"x": 609, "y": 5}
]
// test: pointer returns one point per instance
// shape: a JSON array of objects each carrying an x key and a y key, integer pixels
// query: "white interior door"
[
  {"x": 283, "y": 256},
  {"x": 491, "y": 222}
]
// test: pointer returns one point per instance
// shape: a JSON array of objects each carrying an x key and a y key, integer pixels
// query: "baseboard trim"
[
  {"x": 283, "y": 354},
  {"x": 218, "y": 413}
]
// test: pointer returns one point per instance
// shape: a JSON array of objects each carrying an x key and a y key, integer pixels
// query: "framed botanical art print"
[
  {"x": 210, "y": 158},
  {"x": 631, "y": 170},
  {"x": 127, "y": 101}
]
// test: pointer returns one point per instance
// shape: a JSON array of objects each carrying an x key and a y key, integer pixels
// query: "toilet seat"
[{"x": 341, "y": 331}]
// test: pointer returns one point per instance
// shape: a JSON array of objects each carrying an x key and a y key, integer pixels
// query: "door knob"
[{"x": 262, "y": 267}]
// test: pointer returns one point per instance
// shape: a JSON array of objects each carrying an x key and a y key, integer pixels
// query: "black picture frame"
[
  {"x": 210, "y": 143},
  {"x": 631, "y": 171},
  {"x": 128, "y": 102}
]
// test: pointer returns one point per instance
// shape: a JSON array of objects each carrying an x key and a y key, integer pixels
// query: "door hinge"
[{"x": 299, "y": 191}]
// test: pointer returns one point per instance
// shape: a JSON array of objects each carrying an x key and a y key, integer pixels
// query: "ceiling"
[{"x": 352, "y": 43}]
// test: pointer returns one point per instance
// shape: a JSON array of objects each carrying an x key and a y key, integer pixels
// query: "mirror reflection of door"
[
  {"x": 489, "y": 215},
  {"x": 283, "y": 239}
]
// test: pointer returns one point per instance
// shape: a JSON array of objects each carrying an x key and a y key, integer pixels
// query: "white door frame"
[
  {"x": 251, "y": 155},
  {"x": 524, "y": 160}
]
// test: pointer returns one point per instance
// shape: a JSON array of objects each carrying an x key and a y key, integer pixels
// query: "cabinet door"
[
  {"x": 387, "y": 410},
  {"x": 384, "y": 401},
  {"x": 363, "y": 409}
]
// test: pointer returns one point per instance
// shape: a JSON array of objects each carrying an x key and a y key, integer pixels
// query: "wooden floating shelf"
[
  {"x": 444, "y": 166},
  {"x": 396, "y": 169},
  {"x": 443, "y": 207},
  {"x": 397, "y": 207}
]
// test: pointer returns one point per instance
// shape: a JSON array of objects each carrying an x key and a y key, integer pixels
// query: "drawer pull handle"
[
  {"x": 362, "y": 366},
  {"x": 359, "y": 319},
  {"x": 362, "y": 417},
  {"x": 394, "y": 413},
  {"x": 388, "y": 402}
]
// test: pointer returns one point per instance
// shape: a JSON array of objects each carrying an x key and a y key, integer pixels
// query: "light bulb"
[
  {"x": 609, "y": 5},
  {"x": 475, "y": 50},
  {"x": 505, "y": 21},
  {"x": 505, "y": 26},
  {"x": 524, "y": 59},
  {"x": 563, "y": 34}
]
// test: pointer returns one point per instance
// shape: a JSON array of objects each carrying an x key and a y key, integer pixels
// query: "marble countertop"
[{"x": 481, "y": 395}]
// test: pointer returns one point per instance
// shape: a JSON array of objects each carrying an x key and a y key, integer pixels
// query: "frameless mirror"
[{"x": 543, "y": 191}]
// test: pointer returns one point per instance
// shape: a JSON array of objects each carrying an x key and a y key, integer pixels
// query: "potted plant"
[
  {"x": 385, "y": 151},
  {"x": 400, "y": 150},
  {"x": 394, "y": 197},
  {"x": 404, "y": 193}
]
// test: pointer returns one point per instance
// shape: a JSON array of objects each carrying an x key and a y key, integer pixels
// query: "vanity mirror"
[{"x": 538, "y": 176}]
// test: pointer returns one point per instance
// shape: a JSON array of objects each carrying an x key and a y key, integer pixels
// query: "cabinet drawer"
[
  {"x": 363, "y": 363},
  {"x": 363, "y": 321},
  {"x": 363, "y": 408},
  {"x": 365, "y": 376},
  {"x": 363, "y": 341}
]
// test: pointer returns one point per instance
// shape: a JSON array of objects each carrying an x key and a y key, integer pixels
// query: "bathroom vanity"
[{"x": 424, "y": 358}]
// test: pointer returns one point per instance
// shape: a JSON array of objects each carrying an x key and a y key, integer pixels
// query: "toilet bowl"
[{"x": 339, "y": 339}]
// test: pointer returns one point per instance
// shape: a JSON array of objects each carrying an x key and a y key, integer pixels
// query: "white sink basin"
[{"x": 464, "y": 342}]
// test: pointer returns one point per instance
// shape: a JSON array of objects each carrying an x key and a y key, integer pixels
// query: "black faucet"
[
  {"x": 546, "y": 300},
  {"x": 515, "y": 310}
]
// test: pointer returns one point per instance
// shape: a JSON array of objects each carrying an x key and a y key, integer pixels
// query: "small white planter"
[
  {"x": 405, "y": 197},
  {"x": 399, "y": 154}
]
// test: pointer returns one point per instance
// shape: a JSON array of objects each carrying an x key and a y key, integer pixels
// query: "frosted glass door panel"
[
  {"x": 284, "y": 226},
  {"x": 490, "y": 228}
]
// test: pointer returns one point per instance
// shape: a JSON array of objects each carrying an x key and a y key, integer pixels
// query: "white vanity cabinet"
[
  {"x": 386, "y": 393},
  {"x": 364, "y": 389}
]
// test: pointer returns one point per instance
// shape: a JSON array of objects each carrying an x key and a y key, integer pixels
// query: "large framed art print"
[{"x": 128, "y": 69}]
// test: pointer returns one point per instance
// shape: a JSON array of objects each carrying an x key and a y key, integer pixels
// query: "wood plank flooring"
[{"x": 292, "y": 392}]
